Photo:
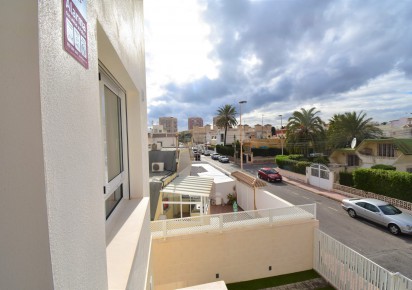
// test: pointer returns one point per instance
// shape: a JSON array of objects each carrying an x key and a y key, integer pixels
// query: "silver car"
[
  {"x": 223, "y": 159},
  {"x": 380, "y": 212}
]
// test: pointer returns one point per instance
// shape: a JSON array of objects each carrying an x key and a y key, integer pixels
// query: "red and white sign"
[{"x": 75, "y": 30}]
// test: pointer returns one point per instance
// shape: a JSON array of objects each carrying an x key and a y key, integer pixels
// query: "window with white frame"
[{"x": 113, "y": 102}]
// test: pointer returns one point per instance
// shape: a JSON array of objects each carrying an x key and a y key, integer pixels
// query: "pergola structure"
[{"x": 187, "y": 196}]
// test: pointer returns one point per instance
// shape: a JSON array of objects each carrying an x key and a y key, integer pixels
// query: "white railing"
[
  {"x": 221, "y": 222},
  {"x": 344, "y": 268}
]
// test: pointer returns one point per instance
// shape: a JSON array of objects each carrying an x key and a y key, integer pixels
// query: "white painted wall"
[
  {"x": 224, "y": 187},
  {"x": 264, "y": 199},
  {"x": 52, "y": 210},
  {"x": 24, "y": 243}
]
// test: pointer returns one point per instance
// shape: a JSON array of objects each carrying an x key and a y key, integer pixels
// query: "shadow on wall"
[{"x": 166, "y": 157}]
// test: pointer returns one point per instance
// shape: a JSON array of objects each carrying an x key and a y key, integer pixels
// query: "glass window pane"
[
  {"x": 113, "y": 134},
  {"x": 113, "y": 200}
]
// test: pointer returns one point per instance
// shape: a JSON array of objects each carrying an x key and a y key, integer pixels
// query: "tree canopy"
[
  {"x": 226, "y": 117},
  {"x": 304, "y": 129},
  {"x": 344, "y": 127}
]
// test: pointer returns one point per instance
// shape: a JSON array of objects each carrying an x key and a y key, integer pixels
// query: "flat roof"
[{"x": 207, "y": 170}]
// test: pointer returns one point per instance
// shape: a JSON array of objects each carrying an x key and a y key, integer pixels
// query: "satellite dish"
[{"x": 353, "y": 143}]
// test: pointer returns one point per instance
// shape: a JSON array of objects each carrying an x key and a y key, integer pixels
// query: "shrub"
[
  {"x": 390, "y": 183},
  {"x": 225, "y": 150},
  {"x": 321, "y": 159},
  {"x": 346, "y": 178},
  {"x": 292, "y": 164},
  {"x": 300, "y": 166},
  {"x": 383, "y": 167},
  {"x": 298, "y": 157},
  {"x": 266, "y": 151}
]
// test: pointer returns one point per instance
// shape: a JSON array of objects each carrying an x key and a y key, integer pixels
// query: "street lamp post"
[
  {"x": 281, "y": 136},
  {"x": 261, "y": 134},
  {"x": 241, "y": 140}
]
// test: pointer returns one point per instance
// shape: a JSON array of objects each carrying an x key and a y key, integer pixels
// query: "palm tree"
[
  {"x": 226, "y": 116},
  {"x": 344, "y": 127},
  {"x": 304, "y": 129}
]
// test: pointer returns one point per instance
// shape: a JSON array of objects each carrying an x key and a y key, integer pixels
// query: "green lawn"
[{"x": 276, "y": 281}]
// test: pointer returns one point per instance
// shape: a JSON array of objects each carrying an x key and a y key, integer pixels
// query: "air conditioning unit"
[{"x": 158, "y": 166}]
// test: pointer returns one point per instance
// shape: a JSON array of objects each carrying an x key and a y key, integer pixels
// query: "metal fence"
[
  {"x": 345, "y": 269},
  {"x": 227, "y": 221}
]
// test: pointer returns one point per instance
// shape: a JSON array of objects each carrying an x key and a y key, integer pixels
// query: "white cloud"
[
  {"x": 177, "y": 45},
  {"x": 339, "y": 56}
]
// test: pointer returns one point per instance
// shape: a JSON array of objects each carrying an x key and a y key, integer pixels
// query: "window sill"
[{"x": 123, "y": 240}]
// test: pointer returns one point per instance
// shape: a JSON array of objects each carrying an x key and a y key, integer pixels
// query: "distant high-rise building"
[
  {"x": 169, "y": 124},
  {"x": 194, "y": 122}
]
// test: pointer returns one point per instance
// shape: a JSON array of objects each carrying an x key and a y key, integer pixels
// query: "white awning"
[{"x": 190, "y": 185}]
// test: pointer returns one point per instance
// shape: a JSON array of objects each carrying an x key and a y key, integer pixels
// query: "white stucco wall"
[
  {"x": 24, "y": 243},
  {"x": 52, "y": 144},
  {"x": 264, "y": 199}
]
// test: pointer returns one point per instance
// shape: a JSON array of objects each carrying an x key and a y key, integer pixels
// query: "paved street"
[{"x": 375, "y": 242}]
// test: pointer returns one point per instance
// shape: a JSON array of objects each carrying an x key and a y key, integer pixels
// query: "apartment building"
[
  {"x": 194, "y": 122},
  {"x": 169, "y": 124},
  {"x": 216, "y": 135},
  {"x": 401, "y": 128},
  {"x": 74, "y": 181}
]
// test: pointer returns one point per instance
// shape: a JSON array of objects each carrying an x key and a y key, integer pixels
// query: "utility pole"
[
  {"x": 281, "y": 136},
  {"x": 241, "y": 140}
]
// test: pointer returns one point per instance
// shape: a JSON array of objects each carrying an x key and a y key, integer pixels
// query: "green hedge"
[
  {"x": 292, "y": 164},
  {"x": 225, "y": 150},
  {"x": 320, "y": 159},
  {"x": 267, "y": 151},
  {"x": 394, "y": 184},
  {"x": 383, "y": 167},
  {"x": 346, "y": 178}
]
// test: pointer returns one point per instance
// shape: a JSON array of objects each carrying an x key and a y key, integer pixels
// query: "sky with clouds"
[{"x": 279, "y": 56}]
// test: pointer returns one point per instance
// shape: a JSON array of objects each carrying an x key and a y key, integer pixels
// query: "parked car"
[
  {"x": 207, "y": 153},
  {"x": 380, "y": 212},
  {"x": 269, "y": 174},
  {"x": 215, "y": 156},
  {"x": 224, "y": 159}
]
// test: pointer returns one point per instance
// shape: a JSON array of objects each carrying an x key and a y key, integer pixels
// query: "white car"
[
  {"x": 223, "y": 159},
  {"x": 215, "y": 156},
  {"x": 380, "y": 212}
]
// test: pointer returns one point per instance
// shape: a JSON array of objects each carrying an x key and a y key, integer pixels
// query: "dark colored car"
[{"x": 269, "y": 174}]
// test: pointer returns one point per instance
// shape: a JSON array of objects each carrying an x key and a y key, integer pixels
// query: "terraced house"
[{"x": 388, "y": 151}]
